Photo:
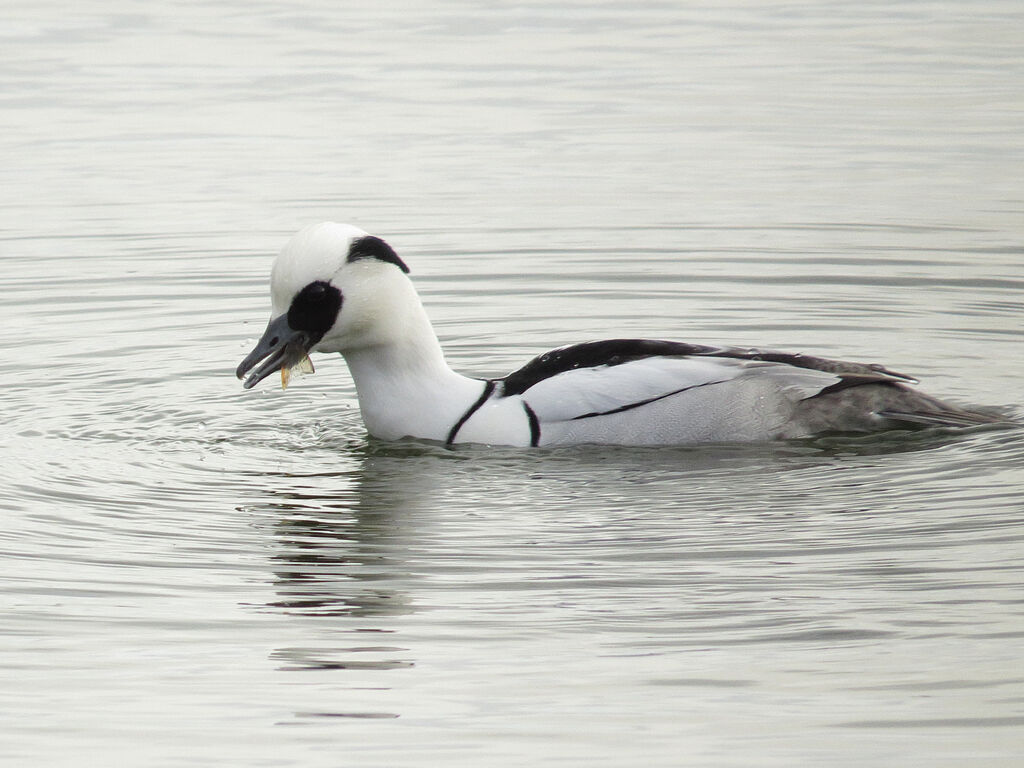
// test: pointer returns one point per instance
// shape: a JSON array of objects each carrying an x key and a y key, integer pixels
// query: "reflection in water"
[
  {"x": 307, "y": 659},
  {"x": 346, "y": 540},
  {"x": 776, "y": 545},
  {"x": 345, "y": 544},
  {"x": 335, "y": 561},
  {"x": 349, "y": 542}
]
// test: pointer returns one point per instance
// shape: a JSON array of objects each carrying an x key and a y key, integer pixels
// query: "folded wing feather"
[{"x": 606, "y": 389}]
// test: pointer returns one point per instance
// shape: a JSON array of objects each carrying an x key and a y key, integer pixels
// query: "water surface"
[{"x": 247, "y": 569}]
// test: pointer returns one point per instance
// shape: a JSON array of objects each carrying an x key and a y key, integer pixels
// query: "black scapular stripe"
[
  {"x": 656, "y": 398},
  {"x": 488, "y": 390},
  {"x": 591, "y": 354}
]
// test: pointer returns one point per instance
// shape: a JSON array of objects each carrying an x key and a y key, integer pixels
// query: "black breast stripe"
[
  {"x": 630, "y": 406},
  {"x": 534, "y": 425},
  {"x": 488, "y": 390}
]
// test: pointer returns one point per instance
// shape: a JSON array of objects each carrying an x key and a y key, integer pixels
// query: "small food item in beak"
[{"x": 304, "y": 366}]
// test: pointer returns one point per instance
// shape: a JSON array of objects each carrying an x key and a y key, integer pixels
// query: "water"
[{"x": 193, "y": 574}]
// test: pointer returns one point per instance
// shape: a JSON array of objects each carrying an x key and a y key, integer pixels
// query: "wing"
[
  {"x": 646, "y": 392},
  {"x": 612, "y": 352},
  {"x": 592, "y": 354},
  {"x": 602, "y": 377},
  {"x": 601, "y": 390},
  {"x": 604, "y": 390}
]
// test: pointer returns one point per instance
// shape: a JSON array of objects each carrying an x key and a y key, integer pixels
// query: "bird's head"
[{"x": 333, "y": 288}]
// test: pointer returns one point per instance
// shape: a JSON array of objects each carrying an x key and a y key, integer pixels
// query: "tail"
[
  {"x": 872, "y": 406},
  {"x": 946, "y": 416}
]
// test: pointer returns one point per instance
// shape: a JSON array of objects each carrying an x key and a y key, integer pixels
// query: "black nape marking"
[
  {"x": 371, "y": 247},
  {"x": 314, "y": 310}
]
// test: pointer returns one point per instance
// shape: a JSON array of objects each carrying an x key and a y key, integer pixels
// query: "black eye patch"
[{"x": 314, "y": 309}]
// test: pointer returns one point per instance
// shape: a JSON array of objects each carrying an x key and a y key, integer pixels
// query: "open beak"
[{"x": 280, "y": 347}]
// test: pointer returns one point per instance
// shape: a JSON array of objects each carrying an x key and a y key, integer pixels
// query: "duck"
[{"x": 335, "y": 288}]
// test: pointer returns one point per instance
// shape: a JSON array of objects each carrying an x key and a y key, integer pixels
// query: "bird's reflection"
[
  {"x": 348, "y": 541},
  {"x": 346, "y": 546},
  {"x": 345, "y": 540},
  {"x": 337, "y": 559},
  {"x": 354, "y": 544}
]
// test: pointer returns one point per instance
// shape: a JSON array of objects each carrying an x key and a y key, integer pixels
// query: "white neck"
[{"x": 406, "y": 388}]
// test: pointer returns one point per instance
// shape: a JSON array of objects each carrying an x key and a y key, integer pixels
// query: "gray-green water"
[{"x": 191, "y": 574}]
